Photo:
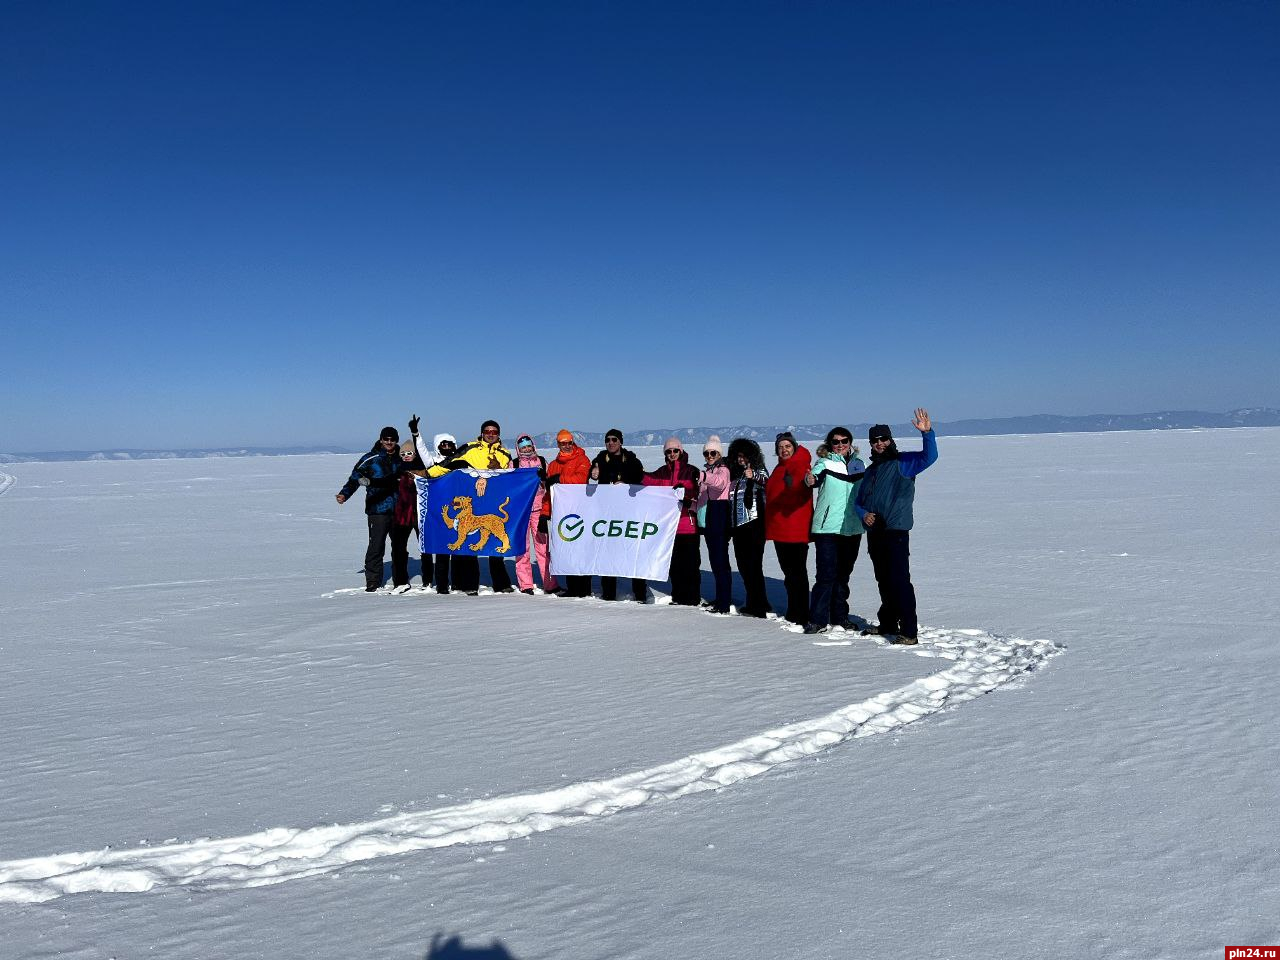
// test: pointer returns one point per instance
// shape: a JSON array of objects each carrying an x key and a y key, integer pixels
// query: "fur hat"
[{"x": 748, "y": 449}]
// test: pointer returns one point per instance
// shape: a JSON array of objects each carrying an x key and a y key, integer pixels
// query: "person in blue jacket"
[
  {"x": 378, "y": 471},
  {"x": 884, "y": 503}
]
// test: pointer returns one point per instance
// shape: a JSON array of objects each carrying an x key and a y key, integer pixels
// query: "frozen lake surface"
[{"x": 200, "y": 704}]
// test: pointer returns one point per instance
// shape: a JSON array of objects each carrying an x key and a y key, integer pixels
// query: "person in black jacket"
[
  {"x": 748, "y": 477},
  {"x": 378, "y": 471},
  {"x": 615, "y": 464}
]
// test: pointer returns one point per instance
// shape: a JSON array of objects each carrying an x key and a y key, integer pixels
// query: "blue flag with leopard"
[{"x": 476, "y": 513}]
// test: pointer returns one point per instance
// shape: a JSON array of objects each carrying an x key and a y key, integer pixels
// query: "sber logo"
[{"x": 571, "y": 527}]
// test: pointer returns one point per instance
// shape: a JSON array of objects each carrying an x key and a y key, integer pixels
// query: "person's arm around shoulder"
[{"x": 817, "y": 473}]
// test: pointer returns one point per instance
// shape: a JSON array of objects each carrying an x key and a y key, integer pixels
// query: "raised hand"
[
  {"x": 922, "y": 421},
  {"x": 413, "y": 424}
]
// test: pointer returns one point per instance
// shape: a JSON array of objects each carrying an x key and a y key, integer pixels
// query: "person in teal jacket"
[
  {"x": 884, "y": 502},
  {"x": 836, "y": 530}
]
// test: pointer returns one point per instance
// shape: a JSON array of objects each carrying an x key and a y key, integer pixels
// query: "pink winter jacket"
[
  {"x": 715, "y": 484},
  {"x": 679, "y": 474},
  {"x": 534, "y": 462}
]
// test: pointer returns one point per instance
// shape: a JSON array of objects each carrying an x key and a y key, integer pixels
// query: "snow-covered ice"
[{"x": 199, "y": 705}]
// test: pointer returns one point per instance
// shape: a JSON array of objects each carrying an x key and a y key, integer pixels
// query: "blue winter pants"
[
  {"x": 836, "y": 555},
  {"x": 717, "y": 533}
]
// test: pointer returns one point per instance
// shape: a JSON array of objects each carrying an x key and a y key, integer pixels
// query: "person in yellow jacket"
[{"x": 486, "y": 452}]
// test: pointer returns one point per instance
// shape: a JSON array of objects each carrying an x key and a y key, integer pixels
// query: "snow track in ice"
[
  {"x": 6, "y": 481},
  {"x": 981, "y": 663}
]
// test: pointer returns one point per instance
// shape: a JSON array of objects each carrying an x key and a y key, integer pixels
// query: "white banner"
[{"x": 613, "y": 530}]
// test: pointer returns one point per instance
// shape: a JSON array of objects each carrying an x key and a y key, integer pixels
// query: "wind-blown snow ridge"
[
  {"x": 6, "y": 482},
  {"x": 981, "y": 663}
]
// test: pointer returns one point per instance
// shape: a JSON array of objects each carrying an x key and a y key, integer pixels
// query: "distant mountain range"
[
  {"x": 116, "y": 453},
  {"x": 1039, "y": 423}
]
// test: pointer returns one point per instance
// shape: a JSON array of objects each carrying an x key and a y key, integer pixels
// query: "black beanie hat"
[
  {"x": 389, "y": 433},
  {"x": 879, "y": 432},
  {"x": 614, "y": 433}
]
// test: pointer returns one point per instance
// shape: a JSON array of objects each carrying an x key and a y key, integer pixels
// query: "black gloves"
[{"x": 413, "y": 424}]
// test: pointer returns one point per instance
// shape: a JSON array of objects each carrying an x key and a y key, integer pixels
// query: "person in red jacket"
[
  {"x": 570, "y": 466},
  {"x": 788, "y": 513},
  {"x": 686, "y": 558}
]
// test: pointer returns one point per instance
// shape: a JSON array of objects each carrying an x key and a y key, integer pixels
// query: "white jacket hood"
[{"x": 435, "y": 445}]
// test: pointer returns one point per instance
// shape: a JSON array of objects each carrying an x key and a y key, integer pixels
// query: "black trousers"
[
  {"x": 890, "y": 552},
  {"x": 609, "y": 589},
  {"x": 498, "y": 576},
  {"x": 380, "y": 525},
  {"x": 440, "y": 571},
  {"x": 686, "y": 576},
  {"x": 829, "y": 602},
  {"x": 748, "y": 551},
  {"x": 794, "y": 560},
  {"x": 400, "y": 555},
  {"x": 466, "y": 573}
]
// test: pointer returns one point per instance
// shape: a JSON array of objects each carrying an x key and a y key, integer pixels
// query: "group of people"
[{"x": 829, "y": 499}]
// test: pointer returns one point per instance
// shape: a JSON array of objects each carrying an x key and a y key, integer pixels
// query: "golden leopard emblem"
[{"x": 466, "y": 522}]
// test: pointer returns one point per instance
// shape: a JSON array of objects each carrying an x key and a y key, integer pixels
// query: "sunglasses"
[
  {"x": 612, "y": 439},
  {"x": 565, "y": 443},
  {"x": 490, "y": 433},
  {"x": 839, "y": 441},
  {"x": 710, "y": 454},
  {"x": 883, "y": 440},
  {"x": 673, "y": 452},
  {"x": 389, "y": 440}
]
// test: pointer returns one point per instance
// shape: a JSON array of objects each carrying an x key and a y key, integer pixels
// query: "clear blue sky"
[{"x": 248, "y": 223}]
